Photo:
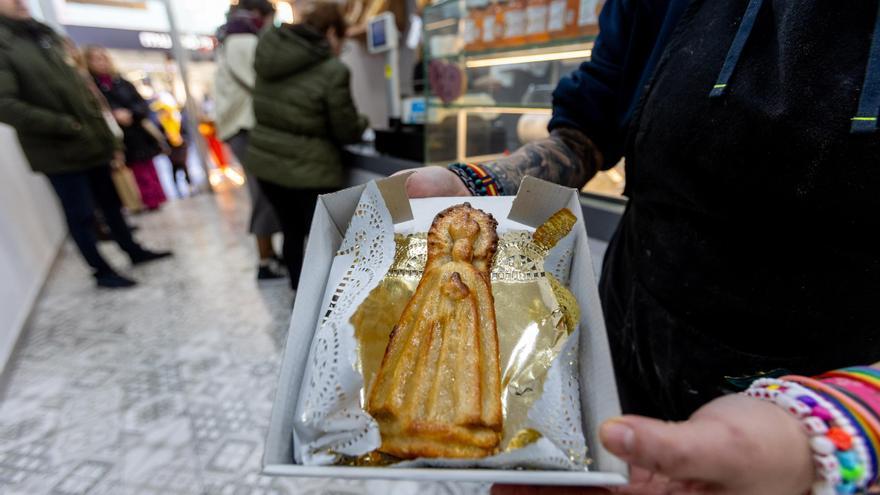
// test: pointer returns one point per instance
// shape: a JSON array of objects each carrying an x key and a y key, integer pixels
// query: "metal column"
[{"x": 192, "y": 124}]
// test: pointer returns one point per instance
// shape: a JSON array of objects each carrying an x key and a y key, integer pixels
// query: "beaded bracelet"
[
  {"x": 477, "y": 179},
  {"x": 829, "y": 430},
  {"x": 861, "y": 386},
  {"x": 866, "y": 428},
  {"x": 840, "y": 454},
  {"x": 864, "y": 431}
]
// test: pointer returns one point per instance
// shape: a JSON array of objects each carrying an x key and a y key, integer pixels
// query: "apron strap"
[
  {"x": 865, "y": 120},
  {"x": 736, "y": 48}
]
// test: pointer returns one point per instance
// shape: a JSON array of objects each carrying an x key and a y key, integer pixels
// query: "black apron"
[{"x": 747, "y": 242}]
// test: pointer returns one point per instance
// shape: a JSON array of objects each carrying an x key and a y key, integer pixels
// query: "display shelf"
[
  {"x": 482, "y": 108},
  {"x": 484, "y": 101},
  {"x": 526, "y": 53},
  {"x": 441, "y": 25},
  {"x": 551, "y": 47}
]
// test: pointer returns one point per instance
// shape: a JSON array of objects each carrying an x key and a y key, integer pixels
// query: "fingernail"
[{"x": 618, "y": 437}]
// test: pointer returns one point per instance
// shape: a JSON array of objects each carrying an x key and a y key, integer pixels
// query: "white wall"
[
  {"x": 31, "y": 231},
  {"x": 368, "y": 85}
]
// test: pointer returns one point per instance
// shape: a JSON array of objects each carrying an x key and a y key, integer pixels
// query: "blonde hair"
[{"x": 90, "y": 50}]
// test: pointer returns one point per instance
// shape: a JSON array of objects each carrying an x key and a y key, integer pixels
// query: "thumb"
[
  {"x": 417, "y": 187},
  {"x": 693, "y": 450}
]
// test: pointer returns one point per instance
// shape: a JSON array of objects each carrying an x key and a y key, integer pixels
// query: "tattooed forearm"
[{"x": 567, "y": 157}]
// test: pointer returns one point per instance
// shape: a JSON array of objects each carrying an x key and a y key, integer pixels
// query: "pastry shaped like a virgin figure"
[{"x": 438, "y": 391}]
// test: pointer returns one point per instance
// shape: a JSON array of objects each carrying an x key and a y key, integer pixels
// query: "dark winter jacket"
[
  {"x": 59, "y": 122},
  {"x": 140, "y": 145},
  {"x": 304, "y": 111},
  {"x": 599, "y": 97},
  {"x": 752, "y": 160}
]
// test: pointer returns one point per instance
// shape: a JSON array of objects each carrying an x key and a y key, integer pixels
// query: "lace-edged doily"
[{"x": 329, "y": 419}]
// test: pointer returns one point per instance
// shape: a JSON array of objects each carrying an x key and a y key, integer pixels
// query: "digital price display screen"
[{"x": 378, "y": 34}]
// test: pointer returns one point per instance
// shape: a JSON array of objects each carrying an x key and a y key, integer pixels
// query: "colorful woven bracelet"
[
  {"x": 866, "y": 374},
  {"x": 477, "y": 179},
  {"x": 867, "y": 396},
  {"x": 864, "y": 412},
  {"x": 840, "y": 454},
  {"x": 861, "y": 420}
]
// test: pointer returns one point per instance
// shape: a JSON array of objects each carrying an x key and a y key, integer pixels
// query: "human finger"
[{"x": 691, "y": 450}]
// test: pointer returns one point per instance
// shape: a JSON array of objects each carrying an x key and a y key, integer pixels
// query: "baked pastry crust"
[
  {"x": 438, "y": 390},
  {"x": 554, "y": 229}
]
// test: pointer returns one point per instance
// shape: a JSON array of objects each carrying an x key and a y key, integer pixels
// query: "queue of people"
[
  {"x": 234, "y": 85},
  {"x": 101, "y": 120},
  {"x": 63, "y": 131},
  {"x": 284, "y": 105}
]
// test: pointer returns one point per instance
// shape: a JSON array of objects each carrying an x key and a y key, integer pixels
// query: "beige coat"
[{"x": 234, "y": 83}]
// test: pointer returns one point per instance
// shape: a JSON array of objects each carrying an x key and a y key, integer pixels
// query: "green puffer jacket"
[
  {"x": 58, "y": 120},
  {"x": 304, "y": 111}
]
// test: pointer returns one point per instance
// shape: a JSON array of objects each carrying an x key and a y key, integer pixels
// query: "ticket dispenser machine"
[
  {"x": 405, "y": 138},
  {"x": 383, "y": 37}
]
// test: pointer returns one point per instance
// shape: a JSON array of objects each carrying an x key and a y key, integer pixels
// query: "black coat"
[
  {"x": 747, "y": 245},
  {"x": 58, "y": 120},
  {"x": 140, "y": 145}
]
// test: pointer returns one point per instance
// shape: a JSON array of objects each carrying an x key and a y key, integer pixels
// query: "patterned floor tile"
[{"x": 165, "y": 389}]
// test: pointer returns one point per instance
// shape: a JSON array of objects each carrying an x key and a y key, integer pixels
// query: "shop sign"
[
  {"x": 163, "y": 41},
  {"x": 125, "y": 39},
  {"x": 132, "y": 4}
]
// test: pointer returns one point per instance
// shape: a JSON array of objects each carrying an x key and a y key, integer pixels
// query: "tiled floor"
[{"x": 161, "y": 390}]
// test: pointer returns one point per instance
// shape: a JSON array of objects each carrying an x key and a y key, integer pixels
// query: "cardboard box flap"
[
  {"x": 341, "y": 204},
  {"x": 320, "y": 251},
  {"x": 537, "y": 200},
  {"x": 393, "y": 191}
]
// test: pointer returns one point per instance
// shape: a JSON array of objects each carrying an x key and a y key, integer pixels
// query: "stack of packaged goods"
[{"x": 517, "y": 23}]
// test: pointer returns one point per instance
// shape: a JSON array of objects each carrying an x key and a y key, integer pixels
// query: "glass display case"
[{"x": 491, "y": 69}]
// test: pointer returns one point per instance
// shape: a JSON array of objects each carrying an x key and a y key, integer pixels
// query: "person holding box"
[{"x": 753, "y": 161}]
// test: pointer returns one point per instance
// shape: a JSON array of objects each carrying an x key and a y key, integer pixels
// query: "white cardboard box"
[{"x": 536, "y": 201}]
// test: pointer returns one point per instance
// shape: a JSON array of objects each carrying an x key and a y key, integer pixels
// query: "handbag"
[
  {"x": 117, "y": 131},
  {"x": 127, "y": 188}
]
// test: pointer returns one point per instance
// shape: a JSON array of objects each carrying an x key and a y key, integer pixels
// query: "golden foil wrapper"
[{"x": 534, "y": 314}]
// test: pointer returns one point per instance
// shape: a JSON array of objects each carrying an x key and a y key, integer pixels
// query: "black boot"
[
  {"x": 146, "y": 256},
  {"x": 102, "y": 232},
  {"x": 271, "y": 269},
  {"x": 113, "y": 280}
]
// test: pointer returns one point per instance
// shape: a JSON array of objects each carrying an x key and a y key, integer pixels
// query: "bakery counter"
[
  {"x": 602, "y": 212},
  {"x": 367, "y": 164}
]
